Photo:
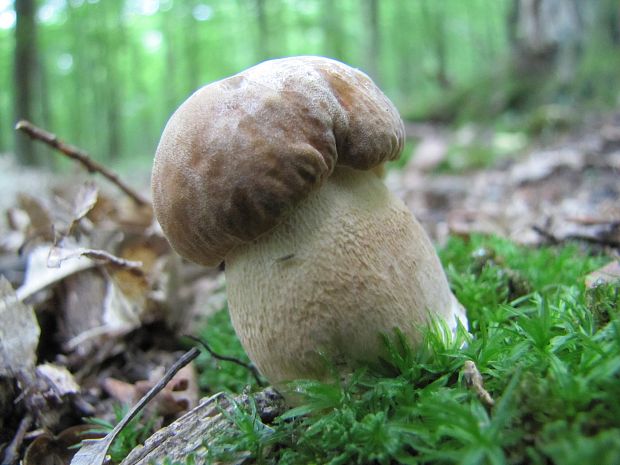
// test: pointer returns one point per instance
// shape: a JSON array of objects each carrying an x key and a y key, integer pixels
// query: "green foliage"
[
  {"x": 250, "y": 437},
  {"x": 133, "y": 434},
  {"x": 549, "y": 352},
  {"x": 218, "y": 375},
  {"x": 111, "y": 72}
]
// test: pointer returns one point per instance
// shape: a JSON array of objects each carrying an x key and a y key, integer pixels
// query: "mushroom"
[{"x": 272, "y": 171}]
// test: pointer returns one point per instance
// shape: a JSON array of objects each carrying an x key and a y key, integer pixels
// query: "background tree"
[
  {"x": 373, "y": 39},
  {"x": 110, "y": 72},
  {"x": 547, "y": 36},
  {"x": 24, "y": 75}
]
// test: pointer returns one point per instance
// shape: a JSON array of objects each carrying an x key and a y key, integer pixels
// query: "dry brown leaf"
[
  {"x": 39, "y": 275},
  {"x": 41, "y": 223},
  {"x": 474, "y": 380},
  {"x": 58, "y": 450},
  {"x": 94, "y": 452},
  {"x": 429, "y": 153},
  {"x": 610, "y": 273},
  {"x": 19, "y": 333},
  {"x": 540, "y": 165},
  {"x": 84, "y": 202},
  {"x": 178, "y": 396},
  {"x": 58, "y": 378},
  {"x": 58, "y": 255}
]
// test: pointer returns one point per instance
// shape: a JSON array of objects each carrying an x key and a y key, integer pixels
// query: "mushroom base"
[{"x": 351, "y": 262}]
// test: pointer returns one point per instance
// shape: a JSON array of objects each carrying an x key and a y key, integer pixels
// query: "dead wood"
[
  {"x": 94, "y": 451},
  {"x": 194, "y": 431},
  {"x": 80, "y": 156},
  {"x": 473, "y": 379}
]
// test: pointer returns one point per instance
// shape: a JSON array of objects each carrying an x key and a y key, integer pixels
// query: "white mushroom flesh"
[{"x": 347, "y": 264}]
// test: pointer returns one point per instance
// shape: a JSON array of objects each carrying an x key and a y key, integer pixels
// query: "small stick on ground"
[
  {"x": 94, "y": 451},
  {"x": 473, "y": 379},
  {"x": 225, "y": 358},
  {"x": 11, "y": 455},
  {"x": 79, "y": 155},
  {"x": 603, "y": 240}
]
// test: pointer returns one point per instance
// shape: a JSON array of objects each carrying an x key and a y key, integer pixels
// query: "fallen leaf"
[
  {"x": 58, "y": 378},
  {"x": 19, "y": 332},
  {"x": 473, "y": 379},
  {"x": 608, "y": 274},
  {"x": 58, "y": 255},
  {"x": 178, "y": 396},
  {"x": 119, "y": 315},
  {"x": 58, "y": 450},
  {"x": 41, "y": 223},
  {"x": 540, "y": 165},
  {"x": 39, "y": 275},
  {"x": 429, "y": 153},
  {"x": 94, "y": 451},
  {"x": 84, "y": 202}
]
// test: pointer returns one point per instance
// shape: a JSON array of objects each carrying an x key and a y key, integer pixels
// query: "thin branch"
[
  {"x": 602, "y": 241},
  {"x": 94, "y": 451},
  {"x": 226, "y": 358},
  {"x": 58, "y": 255},
  {"x": 11, "y": 454},
  {"x": 80, "y": 156}
]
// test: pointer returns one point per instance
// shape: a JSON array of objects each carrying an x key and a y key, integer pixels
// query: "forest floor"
[{"x": 102, "y": 302}]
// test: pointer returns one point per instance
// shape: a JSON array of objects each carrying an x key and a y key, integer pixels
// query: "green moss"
[
  {"x": 215, "y": 375},
  {"x": 549, "y": 354}
]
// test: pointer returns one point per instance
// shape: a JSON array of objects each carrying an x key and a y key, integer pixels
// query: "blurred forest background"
[{"x": 106, "y": 74}]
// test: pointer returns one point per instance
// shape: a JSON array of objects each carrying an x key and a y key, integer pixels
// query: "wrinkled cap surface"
[{"x": 241, "y": 152}]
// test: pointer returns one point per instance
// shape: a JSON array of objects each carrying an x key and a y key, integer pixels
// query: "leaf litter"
[{"x": 99, "y": 301}]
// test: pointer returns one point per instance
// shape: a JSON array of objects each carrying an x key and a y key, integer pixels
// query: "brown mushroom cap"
[{"x": 241, "y": 152}]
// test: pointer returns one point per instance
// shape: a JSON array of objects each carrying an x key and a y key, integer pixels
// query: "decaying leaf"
[
  {"x": 119, "y": 315},
  {"x": 58, "y": 378},
  {"x": 94, "y": 452},
  {"x": 49, "y": 393},
  {"x": 19, "y": 332},
  {"x": 474, "y": 380},
  {"x": 194, "y": 431},
  {"x": 58, "y": 255},
  {"x": 540, "y": 165},
  {"x": 39, "y": 275},
  {"x": 610, "y": 273},
  {"x": 57, "y": 450},
  {"x": 41, "y": 223},
  {"x": 71, "y": 207},
  {"x": 84, "y": 201},
  {"x": 180, "y": 395}
]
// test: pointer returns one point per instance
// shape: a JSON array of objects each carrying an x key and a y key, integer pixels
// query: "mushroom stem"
[{"x": 348, "y": 263}]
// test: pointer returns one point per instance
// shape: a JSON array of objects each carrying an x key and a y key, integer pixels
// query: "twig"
[
  {"x": 546, "y": 235},
  {"x": 79, "y": 155},
  {"x": 58, "y": 255},
  {"x": 94, "y": 451},
  {"x": 602, "y": 241},
  {"x": 11, "y": 455},
  {"x": 473, "y": 379},
  {"x": 225, "y": 358}
]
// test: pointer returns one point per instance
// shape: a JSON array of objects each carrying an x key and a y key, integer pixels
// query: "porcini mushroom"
[{"x": 270, "y": 170}]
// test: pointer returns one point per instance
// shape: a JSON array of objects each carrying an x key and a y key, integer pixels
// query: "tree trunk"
[
  {"x": 436, "y": 21},
  {"x": 373, "y": 46},
  {"x": 25, "y": 69},
  {"x": 546, "y": 37},
  {"x": 115, "y": 84},
  {"x": 263, "y": 49},
  {"x": 334, "y": 41},
  {"x": 191, "y": 48}
]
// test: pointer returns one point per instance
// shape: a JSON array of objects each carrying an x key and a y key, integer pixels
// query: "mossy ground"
[{"x": 547, "y": 347}]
